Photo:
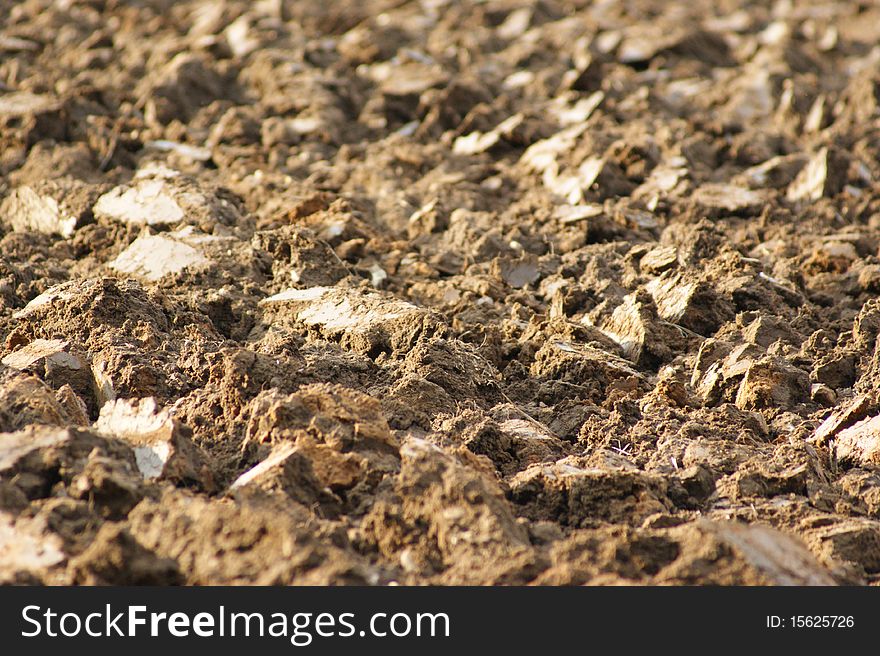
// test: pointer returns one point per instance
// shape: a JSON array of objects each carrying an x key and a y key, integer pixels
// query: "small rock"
[
  {"x": 582, "y": 364},
  {"x": 869, "y": 278},
  {"x": 659, "y": 259},
  {"x": 151, "y": 257},
  {"x": 151, "y": 202},
  {"x": 764, "y": 482},
  {"x": 27, "y": 548},
  {"x": 720, "y": 364},
  {"x": 46, "y": 355},
  {"x": 856, "y": 410},
  {"x": 641, "y": 43},
  {"x": 517, "y": 273},
  {"x": 370, "y": 42},
  {"x": 765, "y": 330},
  {"x": 668, "y": 179},
  {"x": 344, "y": 419},
  {"x": 698, "y": 483},
  {"x": 407, "y": 79},
  {"x": 20, "y": 452},
  {"x": 772, "y": 383},
  {"x": 162, "y": 445},
  {"x": 52, "y": 207},
  {"x": 61, "y": 293},
  {"x": 105, "y": 390},
  {"x": 587, "y": 77},
  {"x": 286, "y": 470},
  {"x": 159, "y": 196},
  {"x": 516, "y": 23},
  {"x": 645, "y": 338},
  {"x": 532, "y": 442},
  {"x": 824, "y": 175},
  {"x": 56, "y": 363},
  {"x": 111, "y": 485},
  {"x": 73, "y": 405},
  {"x": 364, "y": 321},
  {"x": 605, "y": 176},
  {"x": 859, "y": 445},
  {"x": 862, "y": 488},
  {"x": 692, "y": 304},
  {"x": 816, "y": 117}
]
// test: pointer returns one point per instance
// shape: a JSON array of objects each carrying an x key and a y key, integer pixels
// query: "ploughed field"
[{"x": 439, "y": 292}]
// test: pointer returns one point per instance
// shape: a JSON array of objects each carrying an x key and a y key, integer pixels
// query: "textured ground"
[{"x": 494, "y": 292}]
